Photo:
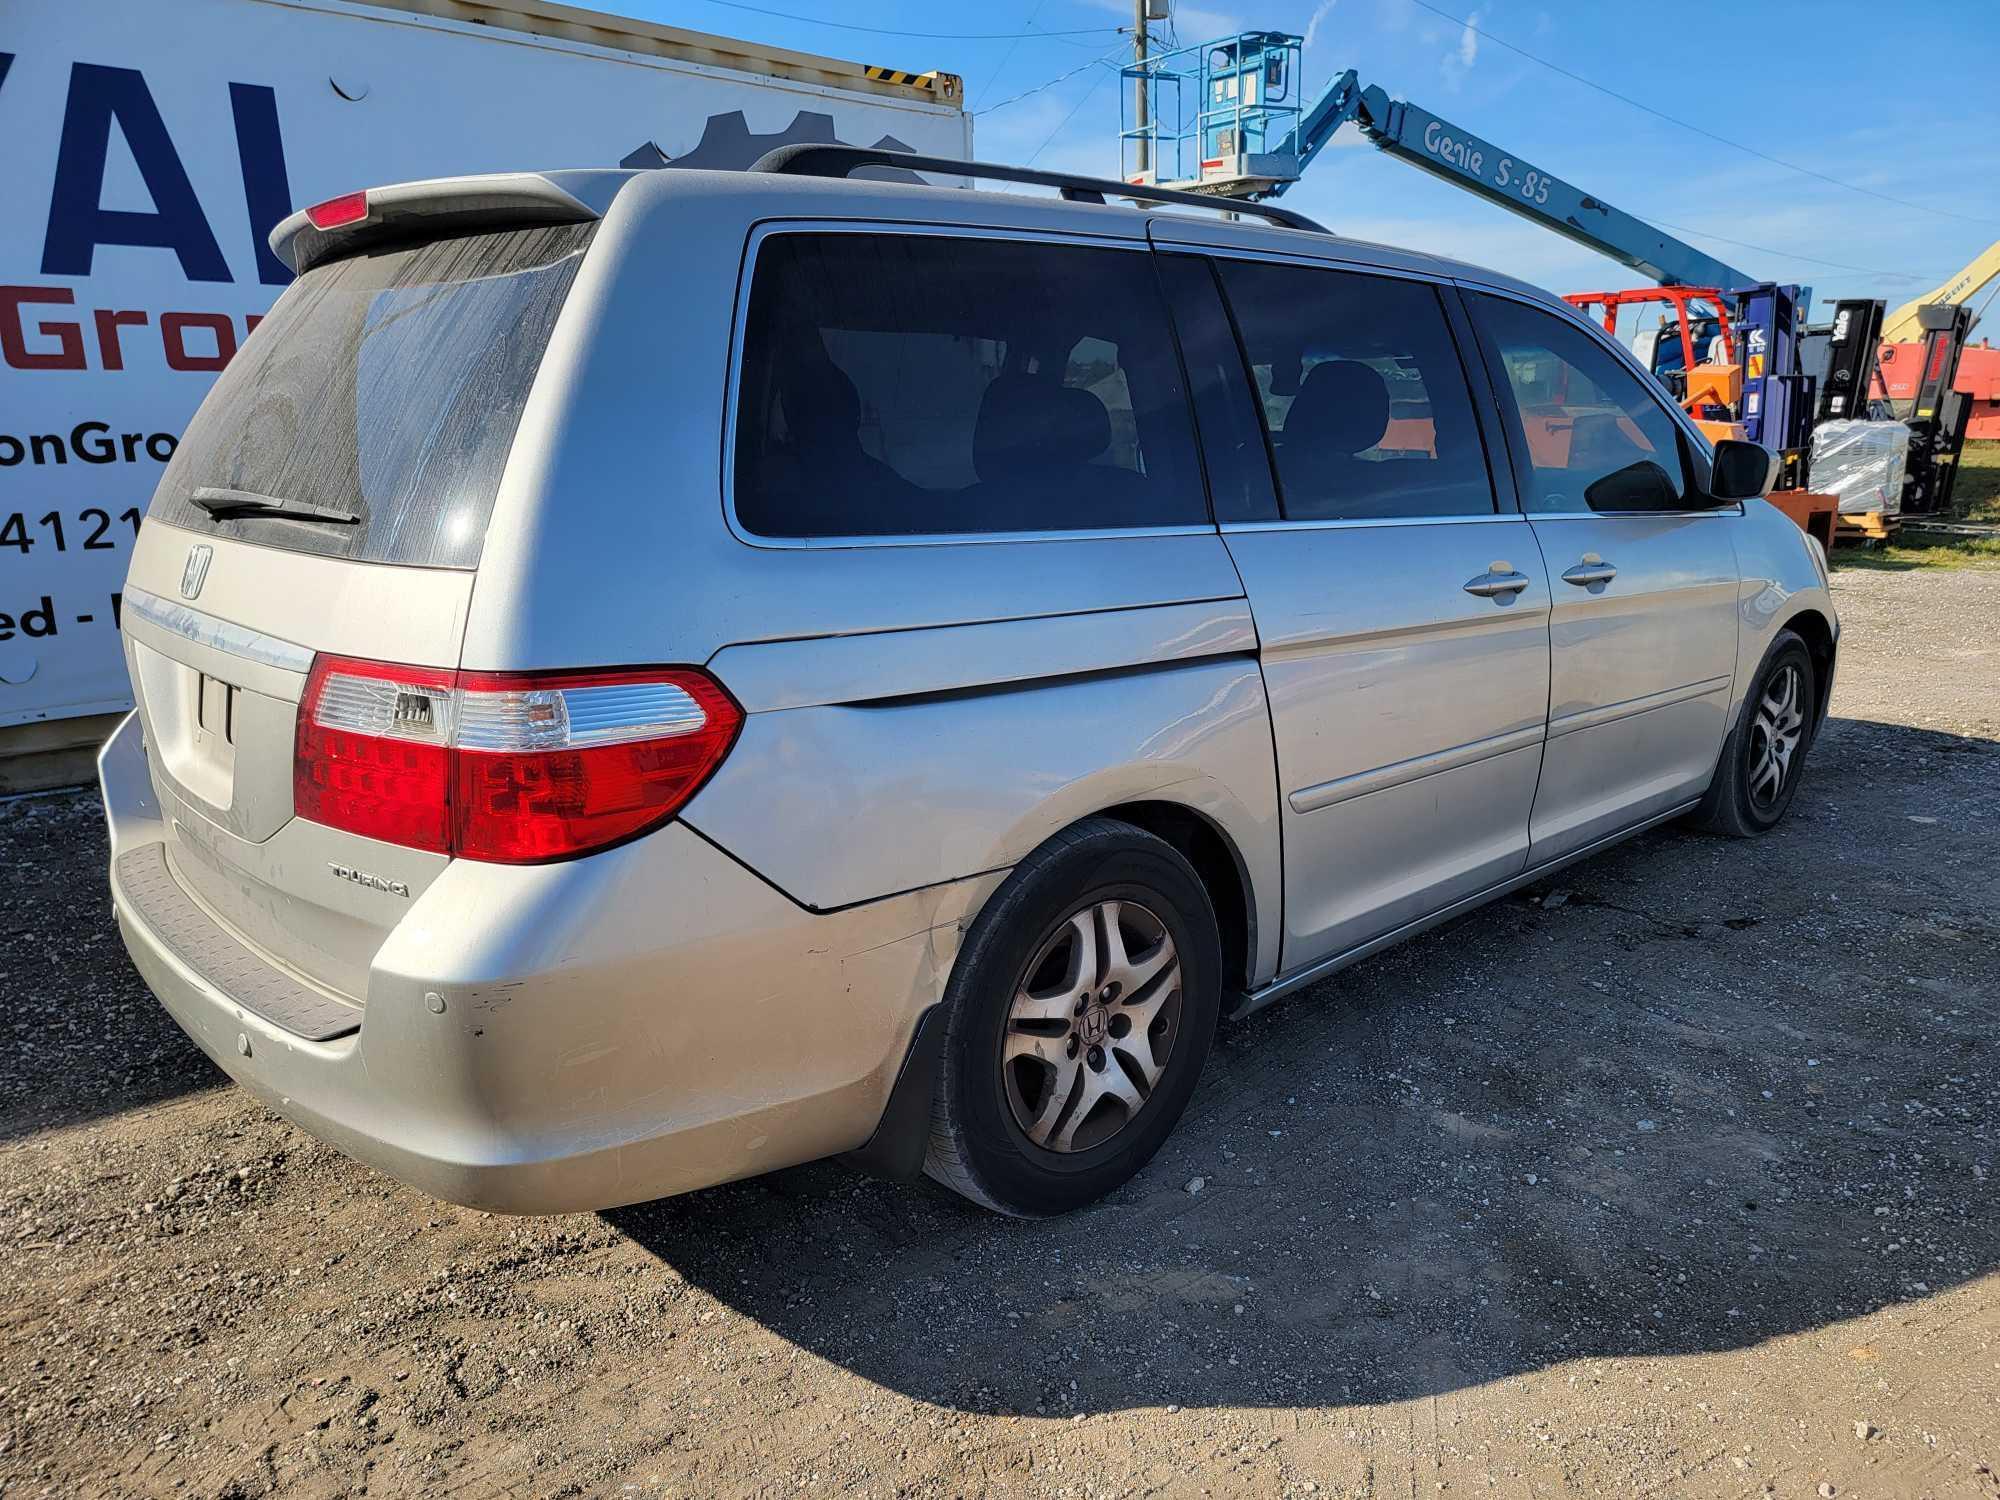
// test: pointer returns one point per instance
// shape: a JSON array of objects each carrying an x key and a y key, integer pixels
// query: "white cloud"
[
  {"x": 1458, "y": 62},
  {"x": 1319, "y": 14}
]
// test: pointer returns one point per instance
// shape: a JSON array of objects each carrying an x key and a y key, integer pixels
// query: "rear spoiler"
[{"x": 443, "y": 206}]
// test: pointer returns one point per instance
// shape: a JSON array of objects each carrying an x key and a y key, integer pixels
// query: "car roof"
[
  {"x": 596, "y": 192},
  {"x": 935, "y": 203}
]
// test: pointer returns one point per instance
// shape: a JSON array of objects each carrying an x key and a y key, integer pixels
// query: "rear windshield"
[{"x": 385, "y": 387}]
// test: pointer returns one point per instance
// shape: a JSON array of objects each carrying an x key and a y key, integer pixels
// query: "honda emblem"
[{"x": 196, "y": 570}]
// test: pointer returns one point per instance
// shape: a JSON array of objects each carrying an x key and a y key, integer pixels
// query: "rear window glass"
[
  {"x": 386, "y": 386},
  {"x": 908, "y": 384}
]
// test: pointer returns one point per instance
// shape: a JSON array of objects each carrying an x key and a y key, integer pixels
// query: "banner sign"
[{"x": 148, "y": 150}]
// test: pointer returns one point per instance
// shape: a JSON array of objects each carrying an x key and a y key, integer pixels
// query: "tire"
[
  {"x": 1033, "y": 1111},
  {"x": 1741, "y": 800}
]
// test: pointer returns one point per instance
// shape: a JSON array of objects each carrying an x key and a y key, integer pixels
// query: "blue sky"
[{"x": 1899, "y": 99}]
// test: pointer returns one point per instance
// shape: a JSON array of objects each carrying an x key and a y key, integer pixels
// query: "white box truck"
[{"x": 150, "y": 145}]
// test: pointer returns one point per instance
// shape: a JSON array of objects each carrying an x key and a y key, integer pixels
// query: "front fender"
[{"x": 1780, "y": 580}]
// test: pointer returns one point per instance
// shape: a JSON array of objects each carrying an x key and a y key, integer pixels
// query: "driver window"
[{"x": 1591, "y": 434}]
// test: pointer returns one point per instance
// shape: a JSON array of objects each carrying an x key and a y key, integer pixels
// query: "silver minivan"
[{"x": 646, "y": 678}]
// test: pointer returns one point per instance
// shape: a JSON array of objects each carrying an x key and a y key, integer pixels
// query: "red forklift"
[{"x": 1678, "y": 352}]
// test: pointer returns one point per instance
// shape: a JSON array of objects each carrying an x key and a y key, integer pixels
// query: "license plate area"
[
  {"x": 215, "y": 719},
  {"x": 189, "y": 716}
]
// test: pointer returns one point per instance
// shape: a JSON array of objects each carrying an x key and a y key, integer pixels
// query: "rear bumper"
[{"x": 560, "y": 1038}]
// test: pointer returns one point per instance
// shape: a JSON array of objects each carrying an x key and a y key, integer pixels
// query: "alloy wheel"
[
  {"x": 1091, "y": 1026},
  {"x": 1775, "y": 734}
]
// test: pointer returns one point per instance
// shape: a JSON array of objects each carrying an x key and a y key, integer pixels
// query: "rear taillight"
[
  {"x": 374, "y": 751},
  {"x": 509, "y": 767}
]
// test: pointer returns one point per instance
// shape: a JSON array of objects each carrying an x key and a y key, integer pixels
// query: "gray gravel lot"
[{"x": 1675, "y": 1176}]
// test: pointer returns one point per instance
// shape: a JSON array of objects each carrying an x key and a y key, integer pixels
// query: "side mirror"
[
  {"x": 1742, "y": 471},
  {"x": 1640, "y": 486}
]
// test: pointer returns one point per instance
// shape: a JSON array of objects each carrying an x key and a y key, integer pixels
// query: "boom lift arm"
[
  {"x": 1904, "y": 326},
  {"x": 1414, "y": 135},
  {"x": 1251, "y": 140}
]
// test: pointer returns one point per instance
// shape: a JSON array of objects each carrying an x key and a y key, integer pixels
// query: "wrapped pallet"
[{"x": 1862, "y": 463}]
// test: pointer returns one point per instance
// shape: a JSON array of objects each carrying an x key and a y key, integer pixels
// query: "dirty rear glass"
[{"x": 388, "y": 386}]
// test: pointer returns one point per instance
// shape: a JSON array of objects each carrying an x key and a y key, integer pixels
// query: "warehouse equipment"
[
  {"x": 1979, "y": 379},
  {"x": 1840, "y": 356},
  {"x": 1906, "y": 325},
  {"x": 1910, "y": 352},
  {"x": 1231, "y": 118},
  {"x": 1937, "y": 412},
  {"x": 1693, "y": 354}
]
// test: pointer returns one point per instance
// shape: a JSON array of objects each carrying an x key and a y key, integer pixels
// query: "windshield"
[{"x": 386, "y": 387}]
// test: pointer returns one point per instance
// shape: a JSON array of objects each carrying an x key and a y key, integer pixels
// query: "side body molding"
[{"x": 951, "y": 658}]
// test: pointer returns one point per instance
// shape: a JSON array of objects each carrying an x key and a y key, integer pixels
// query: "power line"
[
  {"x": 1703, "y": 234},
  {"x": 922, "y": 36},
  {"x": 1095, "y": 62},
  {"x": 1081, "y": 101},
  {"x": 1659, "y": 114},
  {"x": 1008, "y": 56}
]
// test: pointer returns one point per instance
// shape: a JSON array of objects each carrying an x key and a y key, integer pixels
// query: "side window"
[
  {"x": 1363, "y": 394},
  {"x": 1589, "y": 435},
  {"x": 1232, "y": 433},
  {"x": 898, "y": 385}
]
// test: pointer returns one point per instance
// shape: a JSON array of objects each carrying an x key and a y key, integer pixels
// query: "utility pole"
[{"x": 1141, "y": 110}]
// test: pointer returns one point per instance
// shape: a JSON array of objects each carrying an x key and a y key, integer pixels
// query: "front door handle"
[
  {"x": 1497, "y": 583},
  {"x": 1590, "y": 573}
]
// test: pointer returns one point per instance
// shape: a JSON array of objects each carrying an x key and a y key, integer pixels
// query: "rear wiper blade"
[{"x": 222, "y": 504}]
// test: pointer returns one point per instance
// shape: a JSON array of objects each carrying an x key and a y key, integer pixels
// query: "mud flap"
[{"x": 896, "y": 1149}]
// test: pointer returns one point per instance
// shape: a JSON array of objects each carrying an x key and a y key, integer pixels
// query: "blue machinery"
[{"x": 1228, "y": 117}]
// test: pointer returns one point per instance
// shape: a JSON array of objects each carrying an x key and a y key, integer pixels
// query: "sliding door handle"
[
  {"x": 1497, "y": 585},
  {"x": 1591, "y": 572}
]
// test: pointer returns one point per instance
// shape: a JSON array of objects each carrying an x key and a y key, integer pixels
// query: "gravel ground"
[{"x": 1675, "y": 1176}]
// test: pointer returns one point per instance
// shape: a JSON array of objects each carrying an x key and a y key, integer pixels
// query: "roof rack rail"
[{"x": 830, "y": 159}]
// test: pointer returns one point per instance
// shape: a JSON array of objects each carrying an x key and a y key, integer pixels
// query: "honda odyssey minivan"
[{"x": 646, "y": 678}]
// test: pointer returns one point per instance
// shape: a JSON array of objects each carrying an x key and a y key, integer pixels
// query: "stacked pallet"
[{"x": 1868, "y": 527}]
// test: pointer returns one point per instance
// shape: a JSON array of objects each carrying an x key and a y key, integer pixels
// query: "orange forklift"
[
  {"x": 1679, "y": 351},
  {"x": 1694, "y": 354}
]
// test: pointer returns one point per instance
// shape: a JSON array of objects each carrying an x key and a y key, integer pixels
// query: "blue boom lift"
[{"x": 1229, "y": 117}]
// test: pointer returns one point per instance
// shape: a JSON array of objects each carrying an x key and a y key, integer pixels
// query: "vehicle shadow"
[
  {"x": 1686, "y": 1097},
  {"x": 80, "y": 1035}
]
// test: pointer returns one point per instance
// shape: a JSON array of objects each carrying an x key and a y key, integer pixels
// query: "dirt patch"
[{"x": 1675, "y": 1175}]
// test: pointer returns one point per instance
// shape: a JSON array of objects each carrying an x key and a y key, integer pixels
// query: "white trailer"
[{"x": 149, "y": 148}]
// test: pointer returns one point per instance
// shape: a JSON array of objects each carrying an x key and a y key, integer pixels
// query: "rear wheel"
[
  {"x": 1766, "y": 751},
  {"x": 1077, "y": 1020}
]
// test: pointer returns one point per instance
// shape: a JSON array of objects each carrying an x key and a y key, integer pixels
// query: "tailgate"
[
  {"x": 218, "y": 681},
  {"x": 331, "y": 495}
]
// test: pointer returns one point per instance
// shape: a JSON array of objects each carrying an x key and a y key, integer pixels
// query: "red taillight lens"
[
  {"x": 348, "y": 208},
  {"x": 514, "y": 768},
  {"x": 373, "y": 752},
  {"x": 549, "y": 765}
]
